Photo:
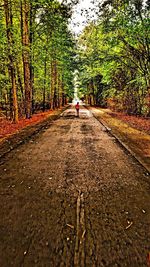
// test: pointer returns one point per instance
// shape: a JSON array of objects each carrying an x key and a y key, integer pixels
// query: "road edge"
[
  {"x": 16, "y": 139},
  {"x": 127, "y": 148}
]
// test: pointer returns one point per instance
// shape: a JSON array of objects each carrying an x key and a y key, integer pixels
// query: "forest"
[
  {"x": 115, "y": 57},
  {"x": 39, "y": 56}
]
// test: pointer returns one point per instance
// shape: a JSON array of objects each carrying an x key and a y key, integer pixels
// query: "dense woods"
[
  {"x": 115, "y": 57},
  {"x": 39, "y": 56}
]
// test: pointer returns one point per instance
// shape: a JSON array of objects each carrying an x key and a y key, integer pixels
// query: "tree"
[
  {"x": 25, "y": 9},
  {"x": 11, "y": 65},
  {"x": 116, "y": 47},
  {"x": 41, "y": 53}
]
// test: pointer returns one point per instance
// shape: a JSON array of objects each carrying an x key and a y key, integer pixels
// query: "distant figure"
[{"x": 77, "y": 108}]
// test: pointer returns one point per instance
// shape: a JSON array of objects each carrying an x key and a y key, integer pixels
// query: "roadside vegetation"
[
  {"x": 114, "y": 57},
  {"x": 36, "y": 56}
]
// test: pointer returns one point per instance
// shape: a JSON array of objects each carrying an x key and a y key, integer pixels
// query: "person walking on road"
[{"x": 77, "y": 108}]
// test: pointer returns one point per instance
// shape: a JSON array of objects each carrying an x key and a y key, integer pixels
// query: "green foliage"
[
  {"x": 111, "y": 55},
  {"x": 50, "y": 41},
  {"x": 117, "y": 47}
]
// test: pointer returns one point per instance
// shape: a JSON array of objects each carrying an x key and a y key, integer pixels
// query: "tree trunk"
[
  {"x": 12, "y": 71},
  {"x": 26, "y": 57},
  {"x": 44, "y": 86},
  {"x": 20, "y": 82},
  {"x": 59, "y": 90},
  {"x": 55, "y": 85},
  {"x": 52, "y": 85},
  {"x": 31, "y": 37}
]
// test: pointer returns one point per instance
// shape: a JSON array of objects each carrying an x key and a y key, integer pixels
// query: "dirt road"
[{"x": 72, "y": 196}]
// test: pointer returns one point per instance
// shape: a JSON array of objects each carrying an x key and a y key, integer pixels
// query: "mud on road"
[{"x": 71, "y": 196}]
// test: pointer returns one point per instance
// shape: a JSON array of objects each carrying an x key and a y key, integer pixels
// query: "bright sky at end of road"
[{"x": 84, "y": 12}]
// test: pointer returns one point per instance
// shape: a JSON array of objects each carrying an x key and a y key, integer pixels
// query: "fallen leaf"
[
  {"x": 71, "y": 226},
  {"x": 130, "y": 223}
]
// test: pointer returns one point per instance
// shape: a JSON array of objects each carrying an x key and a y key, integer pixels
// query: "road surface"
[{"x": 72, "y": 196}]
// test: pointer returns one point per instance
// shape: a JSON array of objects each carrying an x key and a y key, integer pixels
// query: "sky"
[
  {"x": 81, "y": 11},
  {"x": 79, "y": 18}
]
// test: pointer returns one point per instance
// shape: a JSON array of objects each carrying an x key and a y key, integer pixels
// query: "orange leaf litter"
[{"x": 8, "y": 128}]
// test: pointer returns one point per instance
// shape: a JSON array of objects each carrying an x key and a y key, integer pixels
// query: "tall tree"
[
  {"x": 25, "y": 11},
  {"x": 11, "y": 66}
]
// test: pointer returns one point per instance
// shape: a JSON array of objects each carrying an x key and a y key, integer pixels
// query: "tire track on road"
[{"x": 79, "y": 255}]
